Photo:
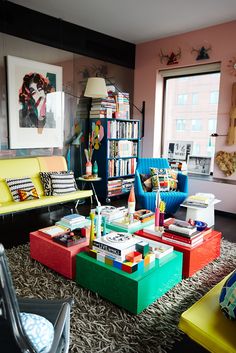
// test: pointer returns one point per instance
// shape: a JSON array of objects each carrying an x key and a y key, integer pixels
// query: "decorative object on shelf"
[
  {"x": 97, "y": 134},
  {"x": 95, "y": 169},
  {"x": 232, "y": 66},
  {"x": 35, "y": 104},
  {"x": 179, "y": 150},
  {"x": 231, "y": 139},
  {"x": 171, "y": 59},
  {"x": 199, "y": 164},
  {"x": 226, "y": 161},
  {"x": 202, "y": 53},
  {"x": 96, "y": 87},
  {"x": 89, "y": 154}
]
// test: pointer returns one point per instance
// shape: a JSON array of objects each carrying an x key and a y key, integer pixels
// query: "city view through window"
[{"x": 190, "y": 113}]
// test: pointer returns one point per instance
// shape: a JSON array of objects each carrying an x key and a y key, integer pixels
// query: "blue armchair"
[{"x": 147, "y": 199}]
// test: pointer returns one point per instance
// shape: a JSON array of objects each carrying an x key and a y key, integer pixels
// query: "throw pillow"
[
  {"x": 28, "y": 195},
  {"x": 62, "y": 183},
  {"x": 228, "y": 297},
  {"x": 160, "y": 179},
  {"x": 47, "y": 182},
  {"x": 173, "y": 179},
  {"x": 15, "y": 184},
  {"x": 154, "y": 179},
  {"x": 146, "y": 181},
  {"x": 39, "y": 330}
]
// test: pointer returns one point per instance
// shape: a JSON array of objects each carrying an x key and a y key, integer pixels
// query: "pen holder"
[{"x": 161, "y": 219}]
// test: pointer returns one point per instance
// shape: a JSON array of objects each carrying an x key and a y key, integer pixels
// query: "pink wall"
[{"x": 148, "y": 85}]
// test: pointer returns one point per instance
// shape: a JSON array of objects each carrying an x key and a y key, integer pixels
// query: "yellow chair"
[{"x": 205, "y": 323}]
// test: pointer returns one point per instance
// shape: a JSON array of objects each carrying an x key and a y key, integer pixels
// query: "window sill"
[{"x": 210, "y": 178}]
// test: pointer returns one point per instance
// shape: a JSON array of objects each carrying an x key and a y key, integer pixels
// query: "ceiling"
[{"x": 138, "y": 21}]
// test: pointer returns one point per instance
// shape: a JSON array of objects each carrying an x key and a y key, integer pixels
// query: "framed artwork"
[
  {"x": 179, "y": 150},
  {"x": 199, "y": 165},
  {"x": 35, "y": 104}
]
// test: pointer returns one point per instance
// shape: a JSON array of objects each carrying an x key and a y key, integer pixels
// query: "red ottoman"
[
  {"x": 55, "y": 256},
  {"x": 195, "y": 258}
]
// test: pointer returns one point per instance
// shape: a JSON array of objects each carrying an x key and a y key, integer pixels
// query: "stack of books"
[
  {"x": 182, "y": 233},
  {"x": 199, "y": 200},
  {"x": 73, "y": 221},
  {"x": 111, "y": 212},
  {"x": 125, "y": 224},
  {"x": 53, "y": 231}
]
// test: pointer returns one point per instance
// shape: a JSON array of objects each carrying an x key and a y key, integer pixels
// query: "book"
[
  {"x": 183, "y": 239},
  {"x": 125, "y": 224},
  {"x": 53, "y": 231},
  {"x": 144, "y": 215},
  {"x": 181, "y": 243},
  {"x": 72, "y": 218},
  {"x": 81, "y": 224},
  {"x": 116, "y": 243}
]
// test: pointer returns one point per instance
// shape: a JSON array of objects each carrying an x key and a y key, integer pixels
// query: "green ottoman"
[{"x": 135, "y": 291}]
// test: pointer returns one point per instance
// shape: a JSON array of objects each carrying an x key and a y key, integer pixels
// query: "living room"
[{"x": 135, "y": 66}]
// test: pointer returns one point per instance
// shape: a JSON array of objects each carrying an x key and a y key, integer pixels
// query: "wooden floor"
[{"x": 15, "y": 230}]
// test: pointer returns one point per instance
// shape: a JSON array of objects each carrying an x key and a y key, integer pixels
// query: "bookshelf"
[{"x": 116, "y": 151}]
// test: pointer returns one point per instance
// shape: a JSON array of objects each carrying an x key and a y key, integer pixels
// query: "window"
[
  {"x": 180, "y": 122},
  {"x": 214, "y": 96},
  {"x": 196, "y": 125},
  {"x": 212, "y": 125},
  {"x": 194, "y": 98},
  {"x": 180, "y": 125},
  {"x": 182, "y": 99}
]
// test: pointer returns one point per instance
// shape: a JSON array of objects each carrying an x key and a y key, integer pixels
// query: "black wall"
[{"x": 22, "y": 22}]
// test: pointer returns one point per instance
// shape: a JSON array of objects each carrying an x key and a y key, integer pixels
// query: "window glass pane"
[
  {"x": 189, "y": 113},
  {"x": 214, "y": 96},
  {"x": 196, "y": 125}
]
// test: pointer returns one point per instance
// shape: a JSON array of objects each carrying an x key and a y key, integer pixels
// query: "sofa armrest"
[
  {"x": 138, "y": 184},
  {"x": 182, "y": 182}
]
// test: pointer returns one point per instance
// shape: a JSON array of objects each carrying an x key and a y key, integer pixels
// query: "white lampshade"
[{"x": 96, "y": 88}]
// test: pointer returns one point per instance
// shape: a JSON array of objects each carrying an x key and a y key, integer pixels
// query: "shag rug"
[{"x": 98, "y": 326}]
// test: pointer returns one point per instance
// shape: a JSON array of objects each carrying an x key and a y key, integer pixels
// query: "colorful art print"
[
  {"x": 35, "y": 104},
  {"x": 199, "y": 164},
  {"x": 179, "y": 150}
]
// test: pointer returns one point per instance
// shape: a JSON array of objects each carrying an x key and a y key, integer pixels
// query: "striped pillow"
[
  {"x": 19, "y": 183},
  {"x": 47, "y": 182},
  {"x": 62, "y": 183}
]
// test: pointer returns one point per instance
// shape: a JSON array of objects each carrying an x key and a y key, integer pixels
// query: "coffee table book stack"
[{"x": 198, "y": 247}]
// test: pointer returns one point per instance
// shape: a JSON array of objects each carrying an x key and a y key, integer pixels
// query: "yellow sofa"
[
  {"x": 30, "y": 167},
  {"x": 205, "y": 323}
]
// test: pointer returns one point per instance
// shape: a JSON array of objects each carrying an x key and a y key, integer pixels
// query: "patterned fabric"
[
  {"x": 39, "y": 330},
  {"x": 146, "y": 182},
  {"x": 228, "y": 297},
  {"x": 173, "y": 179},
  {"x": 28, "y": 195},
  {"x": 62, "y": 183},
  {"x": 160, "y": 179},
  {"x": 47, "y": 182},
  {"x": 15, "y": 184}
]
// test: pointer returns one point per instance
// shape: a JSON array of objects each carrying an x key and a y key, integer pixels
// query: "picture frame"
[
  {"x": 179, "y": 150},
  {"x": 199, "y": 164},
  {"x": 35, "y": 104}
]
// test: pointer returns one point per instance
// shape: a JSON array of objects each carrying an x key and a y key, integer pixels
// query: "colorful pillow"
[
  {"x": 39, "y": 330},
  {"x": 228, "y": 297},
  {"x": 146, "y": 181},
  {"x": 47, "y": 182},
  {"x": 62, "y": 183},
  {"x": 173, "y": 179},
  {"x": 154, "y": 178},
  {"x": 28, "y": 195},
  {"x": 160, "y": 179},
  {"x": 16, "y": 184}
]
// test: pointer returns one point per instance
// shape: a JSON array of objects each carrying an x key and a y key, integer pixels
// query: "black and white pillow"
[
  {"x": 15, "y": 184},
  {"x": 62, "y": 183},
  {"x": 47, "y": 182}
]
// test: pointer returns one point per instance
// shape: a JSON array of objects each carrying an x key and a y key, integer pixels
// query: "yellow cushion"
[{"x": 205, "y": 323}]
